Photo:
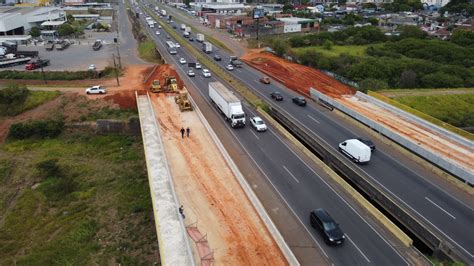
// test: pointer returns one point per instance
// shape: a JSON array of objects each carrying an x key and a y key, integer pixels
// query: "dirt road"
[{"x": 211, "y": 195}]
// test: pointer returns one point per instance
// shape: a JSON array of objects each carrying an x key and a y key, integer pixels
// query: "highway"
[
  {"x": 298, "y": 183},
  {"x": 406, "y": 181}
]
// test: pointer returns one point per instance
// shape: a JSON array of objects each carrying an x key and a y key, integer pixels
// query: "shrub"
[
  {"x": 49, "y": 168},
  {"x": 40, "y": 129}
]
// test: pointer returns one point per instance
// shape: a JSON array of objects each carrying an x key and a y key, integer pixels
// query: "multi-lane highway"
[
  {"x": 406, "y": 181},
  {"x": 297, "y": 182}
]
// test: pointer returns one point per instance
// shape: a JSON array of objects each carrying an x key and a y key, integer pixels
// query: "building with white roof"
[{"x": 19, "y": 20}]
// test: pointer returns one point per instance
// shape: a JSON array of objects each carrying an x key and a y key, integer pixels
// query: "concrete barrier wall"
[
  {"x": 413, "y": 118},
  {"x": 465, "y": 174}
]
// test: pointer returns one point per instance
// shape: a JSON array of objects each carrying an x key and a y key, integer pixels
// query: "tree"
[
  {"x": 463, "y": 37},
  {"x": 372, "y": 84},
  {"x": 35, "y": 32},
  {"x": 441, "y": 80},
  {"x": 327, "y": 44},
  {"x": 408, "y": 79},
  {"x": 70, "y": 18},
  {"x": 65, "y": 30},
  {"x": 374, "y": 21},
  {"x": 408, "y": 31}
]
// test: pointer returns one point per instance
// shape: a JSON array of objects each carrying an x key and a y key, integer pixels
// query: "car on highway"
[
  {"x": 329, "y": 229},
  {"x": 92, "y": 67},
  {"x": 198, "y": 66},
  {"x": 299, "y": 100},
  {"x": 157, "y": 33},
  {"x": 168, "y": 37},
  {"x": 258, "y": 124},
  {"x": 276, "y": 96},
  {"x": 367, "y": 142},
  {"x": 191, "y": 73},
  {"x": 96, "y": 90},
  {"x": 217, "y": 57},
  {"x": 182, "y": 61},
  {"x": 229, "y": 67},
  {"x": 159, "y": 26},
  {"x": 177, "y": 45},
  {"x": 265, "y": 80},
  {"x": 191, "y": 39},
  {"x": 206, "y": 73}
]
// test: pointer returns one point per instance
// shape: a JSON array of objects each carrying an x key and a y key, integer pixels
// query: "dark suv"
[
  {"x": 217, "y": 57},
  {"x": 321, "y": 220},
  {"x": 276, "y": 96},
  {"x": 298, "y": 100}
]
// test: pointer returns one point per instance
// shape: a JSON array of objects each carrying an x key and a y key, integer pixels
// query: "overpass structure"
[{"x": 172, "y": 239}]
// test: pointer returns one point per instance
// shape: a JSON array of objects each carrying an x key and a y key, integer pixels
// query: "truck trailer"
[
  {"x": 200, "y": 37},
  {"x": 227, "y": 103},
  {"x": 207, "y": 47},
  {"x": 183, "y": 26}
]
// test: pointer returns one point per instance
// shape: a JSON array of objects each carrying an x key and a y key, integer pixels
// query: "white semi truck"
[
  {"x": 207, "y": 47},
  {"x": 200, "y": 37},
  {"x": 227, "y": 103}
]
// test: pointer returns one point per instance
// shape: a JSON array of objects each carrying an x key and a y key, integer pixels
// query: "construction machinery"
[
  {"x": 171, "y": 85},
  {"x": 155, "y": 86},
  {"x": 182, "y": 100}
]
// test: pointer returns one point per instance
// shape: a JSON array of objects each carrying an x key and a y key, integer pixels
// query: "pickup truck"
[{"x": 32, "y": 65}]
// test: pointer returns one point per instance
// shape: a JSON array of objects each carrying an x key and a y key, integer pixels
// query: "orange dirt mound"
[
  {"x": 295, "y": 76},
  {"x": 124, "y": 99}
]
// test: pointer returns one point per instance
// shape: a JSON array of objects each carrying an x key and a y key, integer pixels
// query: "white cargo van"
[{"x": 356, "y": 150}]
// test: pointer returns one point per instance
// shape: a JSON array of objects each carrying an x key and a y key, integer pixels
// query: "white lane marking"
[
  {"x": 314, "y": 119},
  {"x": 452, "y": 216},
  {"x": 254, "y": 134},
  {"x": 256, "y": 81},
  {"x": 347, "y": 203},
  {"x": 363, "y": 255},
  {"x": 291, "y": 174},
  {"x": 257, "y": 165}
]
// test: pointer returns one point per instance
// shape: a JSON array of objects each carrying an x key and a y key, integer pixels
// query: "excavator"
[{"x": 182, "y": 100}]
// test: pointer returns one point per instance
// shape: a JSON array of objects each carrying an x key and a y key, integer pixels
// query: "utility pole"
[
  {"x": 42, "y": 71},
  {"x": 117, "y": 45},
  {"x": 116, "y": 72}
]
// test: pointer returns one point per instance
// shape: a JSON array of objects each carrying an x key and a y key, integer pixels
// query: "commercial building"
[
  {"x": 15, "y": 22},
  {"x": 294, "y": 24}
]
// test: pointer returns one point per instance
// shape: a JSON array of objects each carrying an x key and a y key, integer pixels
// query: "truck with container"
[
  {"x": 234, "y": 61},
  {"x": 183, "y": 26},
  {"x": 207, "y": 47},
  {"x": 163, "y": 12},
  {"x": 356, "y": 150},
  {"x": 227, "y": 103},
  {"x": 32, "y": 65},
  {"x": 188, "y": 29},
  {"x": 200, "y": 37}
]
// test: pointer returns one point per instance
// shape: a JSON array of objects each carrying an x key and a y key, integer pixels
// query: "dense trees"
[
  {"x": 403, "y": 5},
  {"x": 463, "y": 37},
  {"x": 459, "y": 6}
]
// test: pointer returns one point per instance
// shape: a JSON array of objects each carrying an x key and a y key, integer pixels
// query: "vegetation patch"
[
  {"x": 57, "y": 75},
  {"x": 147, "y": 51},
  {"x": 332, "y": 50},
  {"x": 15, "y": 99},
  {"x": 76, "y": 199}
]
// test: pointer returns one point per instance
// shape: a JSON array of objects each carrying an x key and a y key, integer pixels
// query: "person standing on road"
[
  {"x": 181, "y": 211},
  {"x": 182, "y": 132},
  {"x": 187, "y": 132}
]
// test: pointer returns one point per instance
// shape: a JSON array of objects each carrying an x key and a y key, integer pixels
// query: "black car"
[
  {"x": 217, "y": 57},
  {"x": 191, "y": 39},
  {"x": 298, "y": 100},
  {"x": 367, "y": 142},
  {"x": 321, "y": 220},
  {"x": 276, "y": 96}
]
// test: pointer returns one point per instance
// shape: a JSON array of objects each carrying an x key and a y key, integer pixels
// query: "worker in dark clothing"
[
  {"x": 182, "y": 133},
  {"x": 181, "y": 211},
  {"x": 187, "y": 132}
]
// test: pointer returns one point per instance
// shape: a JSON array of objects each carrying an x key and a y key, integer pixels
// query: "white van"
[{"x": 356, "y": 150}]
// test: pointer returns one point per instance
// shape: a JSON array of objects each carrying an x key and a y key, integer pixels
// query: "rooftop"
[{"x": 295, "y": 20}]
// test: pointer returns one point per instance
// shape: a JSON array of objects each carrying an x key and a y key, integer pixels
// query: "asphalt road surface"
[
  {"x": 397, "y": 175},
  {"x": 300, "y": 185}
]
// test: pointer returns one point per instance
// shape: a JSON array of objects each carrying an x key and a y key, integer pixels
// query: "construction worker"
[
  {"x": 181, "y": 211},
  {"x": 182, "y": 132},
  {"x": 187, "y": 132}
]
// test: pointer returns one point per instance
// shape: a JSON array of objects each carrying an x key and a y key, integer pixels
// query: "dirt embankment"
[
  {"x": 211, "y": 195},
  {"x": 295, "y": 76}
]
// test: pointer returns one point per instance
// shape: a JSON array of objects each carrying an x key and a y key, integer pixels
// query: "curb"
[
  {"x": 277, "y": 237},
  {"x": 397, "y": 232}
]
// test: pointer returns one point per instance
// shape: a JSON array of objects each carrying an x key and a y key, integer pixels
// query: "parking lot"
[{"x": 78, "y": 56}]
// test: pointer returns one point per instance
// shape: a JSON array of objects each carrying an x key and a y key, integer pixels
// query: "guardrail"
[
  {"x": 462, "y": 173},
  {"x": 441, "y": 247}
]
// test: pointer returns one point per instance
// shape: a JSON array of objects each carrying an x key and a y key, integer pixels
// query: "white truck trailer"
[
  {"x": 183, "y": 26},
  {"x": 227, "y": 103},
  {"x": 187, "y": 29},
  {"x": 163, "y": 12},
  {"x": 200, "y": 37},
  {"x": 207, "y": 47}
]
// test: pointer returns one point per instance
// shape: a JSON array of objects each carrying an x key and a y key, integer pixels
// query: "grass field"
[
  {"x": 455, "y": 109},
  {"x": 78, "y": 199},
  {"x": 394, "y": 93},
  {"x": 147, "y": 51},
  {"x": 34, "y": 99},
  {"x": 336, "y": 50}
]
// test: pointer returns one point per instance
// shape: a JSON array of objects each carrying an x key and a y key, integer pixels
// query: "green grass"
[
  {"x": 147, "y": 51},
  {"x": 335, "y": 51},
  {"x": 394, "y": 93},
  {"x": 95, "y": 221},
  {"x": 447, "y": 111},
  {"x": 34, "y": 99}
]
